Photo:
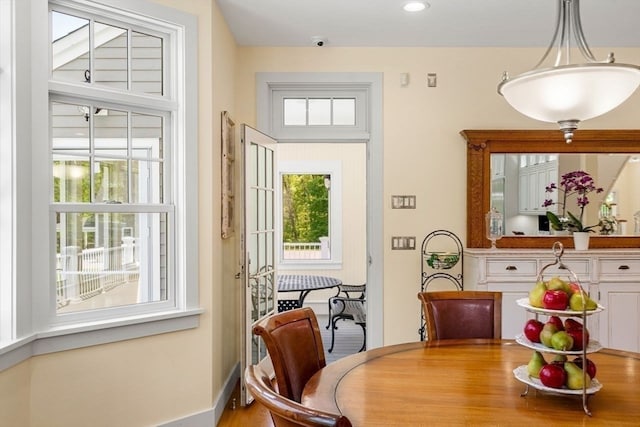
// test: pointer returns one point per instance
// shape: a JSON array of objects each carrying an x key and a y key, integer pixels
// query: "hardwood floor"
[{"x": 348, "y": 341}]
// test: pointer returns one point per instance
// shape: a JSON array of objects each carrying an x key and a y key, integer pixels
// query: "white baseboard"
[{"x": 211, "y": 416}]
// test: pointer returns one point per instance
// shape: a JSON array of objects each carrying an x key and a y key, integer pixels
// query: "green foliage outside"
[{"x": 305, "y": 208}]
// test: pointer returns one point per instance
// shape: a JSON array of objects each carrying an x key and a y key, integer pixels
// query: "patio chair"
[
  {"x": 344, "y": 308},
  {"x": 285, "y": 412},
  {"x": 349, "y": 291},
  {"x": 462, "y": 314},
  {"x": 295, "y": 347}
]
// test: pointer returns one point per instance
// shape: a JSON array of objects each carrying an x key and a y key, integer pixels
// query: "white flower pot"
[{"x": 581, "y": 240}]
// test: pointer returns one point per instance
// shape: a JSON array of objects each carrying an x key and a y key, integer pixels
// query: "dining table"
[
  {"x": 304, "y": 284},
  {"x": 469, "y": 382}
]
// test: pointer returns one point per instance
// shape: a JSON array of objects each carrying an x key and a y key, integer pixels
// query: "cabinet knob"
[
  {"x": 511, "y": 268},
  {"x": 623, "y": 267}
]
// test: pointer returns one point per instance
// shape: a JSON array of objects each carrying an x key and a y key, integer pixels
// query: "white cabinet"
[
  {"x": 619, "y": 290},
  {"x": 533, "y": 179},
  {"x": 611, "y": 276}
]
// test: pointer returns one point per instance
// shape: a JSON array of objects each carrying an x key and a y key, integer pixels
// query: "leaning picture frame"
[{"x": 227, "y": 169}]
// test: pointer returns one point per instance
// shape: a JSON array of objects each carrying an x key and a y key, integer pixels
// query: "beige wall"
[
  {"x": 423, "y": 151},
  {"x": 156, "y": 379}
]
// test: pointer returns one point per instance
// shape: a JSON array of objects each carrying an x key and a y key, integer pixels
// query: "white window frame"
[
  {"x": 36, "y": 329},
  {"x": 7, "y": 196},
  {"x": 315, "y": 133},
  {"x": 326, "y": 167}
]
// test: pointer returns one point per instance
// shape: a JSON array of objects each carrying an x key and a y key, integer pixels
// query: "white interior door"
[{"x": 258, "y": 247}]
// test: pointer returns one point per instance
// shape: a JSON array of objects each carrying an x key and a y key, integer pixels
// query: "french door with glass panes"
[{"x": 258, "y": 244}]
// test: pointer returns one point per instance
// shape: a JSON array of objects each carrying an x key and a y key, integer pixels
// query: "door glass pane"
[
  {"x": 102, "y": 258},
  {"x": 110, "y": 62},
  {"x": 344, "y": 112},
  {"x": 69, "y": 47},
  {"x": 110, "y": 130},
  {"x": 319, "y": 112},
  {"x": 295, "y": 112},
  {"x": 146, "y": 181},
  {"x": 146, "y": 64},
  {"x": 70, "y": 127},
  {"x": 146, "y": 135},
  {"x": 111, "y": 181},
  {"x": 71, "y": 179}
]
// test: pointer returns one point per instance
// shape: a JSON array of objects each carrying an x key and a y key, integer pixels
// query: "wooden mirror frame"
[{"x": 482, "y": 143}]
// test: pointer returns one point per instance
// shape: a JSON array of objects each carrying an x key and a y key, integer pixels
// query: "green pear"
[
  {"x": 561, "y": 340},
  {"x": 559, "y": 359},
  {"x": 547, "y": 332},
  {"x": 536, "y": 294},
  {"x": 575, "y": 376},
  {"x": 556, "y": 283},
  {"x": 578, "y": 303},
  {"x": 535, "y": 364}
]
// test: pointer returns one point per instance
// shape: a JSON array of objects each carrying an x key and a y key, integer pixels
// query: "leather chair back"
[
  {"x": 295, "y": 347},
  {"x": 462, "y": 314}
]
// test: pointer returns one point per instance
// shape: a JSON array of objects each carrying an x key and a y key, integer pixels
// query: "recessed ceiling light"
[{"x": 415, "y": 6}]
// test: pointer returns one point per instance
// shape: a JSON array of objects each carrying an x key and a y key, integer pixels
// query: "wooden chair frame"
[{"x": 286, "y": 412}]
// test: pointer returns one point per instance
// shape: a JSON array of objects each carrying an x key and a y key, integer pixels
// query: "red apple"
[
  {"x": 556, "y": 321},
  {"x": 579, "y": 341},
  {"x": 532, "y": 330},
  {"x": 570, "y": 324},
  {"x": 574, "y": 287},
  {"x": 555, "y": 300},
  {"x": 591, "y": 367},
  {"x": 553, "y": 375}
]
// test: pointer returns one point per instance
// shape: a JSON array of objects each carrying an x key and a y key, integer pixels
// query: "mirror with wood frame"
[{"x": 485, "y": 145}]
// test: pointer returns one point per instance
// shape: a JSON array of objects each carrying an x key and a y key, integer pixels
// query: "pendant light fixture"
[{"x": 565, "y": 92}]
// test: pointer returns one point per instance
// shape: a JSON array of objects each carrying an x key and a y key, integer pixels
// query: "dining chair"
[
  {"x": 285, "y": 412},
  {"x": 295, "y": 347},
  {"x": 344, "y": 308},
  {"x": 462, "y": 314}
]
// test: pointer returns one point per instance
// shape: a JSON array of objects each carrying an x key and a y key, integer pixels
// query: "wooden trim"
[{"x": 480, "y": 145}]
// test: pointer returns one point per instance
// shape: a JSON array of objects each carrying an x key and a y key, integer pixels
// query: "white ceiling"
[{"x": 610, "y": 23}]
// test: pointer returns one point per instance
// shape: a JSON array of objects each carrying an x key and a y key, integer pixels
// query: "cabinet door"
[
  {"x": 620, "y": 320},
  {"x": 513, "y": 316}
]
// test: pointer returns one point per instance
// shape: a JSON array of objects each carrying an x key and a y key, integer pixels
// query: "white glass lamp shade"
[{"x": 572, "y": 92}]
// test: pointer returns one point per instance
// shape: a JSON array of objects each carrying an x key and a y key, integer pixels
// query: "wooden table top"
[{"x": 468, "y": 382}]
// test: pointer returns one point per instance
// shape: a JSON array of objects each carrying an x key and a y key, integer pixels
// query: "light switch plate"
[
  {"x": 403, "y": 243},
  {"x": 403, "y": 202}
]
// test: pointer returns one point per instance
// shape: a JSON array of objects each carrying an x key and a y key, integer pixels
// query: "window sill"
[{"x": 95, "y": 333}]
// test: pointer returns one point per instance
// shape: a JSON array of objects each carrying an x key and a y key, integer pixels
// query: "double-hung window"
[{"x": 121, "y": 170}]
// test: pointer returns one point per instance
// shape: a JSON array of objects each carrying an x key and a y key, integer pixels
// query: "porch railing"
[{"x": 81, "y": 274}]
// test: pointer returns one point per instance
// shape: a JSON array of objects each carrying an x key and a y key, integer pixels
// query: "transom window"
[{"x": 319, "y": 111}]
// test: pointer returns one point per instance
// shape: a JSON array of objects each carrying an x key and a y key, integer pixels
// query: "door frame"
[{"x": 375, "y": 249}]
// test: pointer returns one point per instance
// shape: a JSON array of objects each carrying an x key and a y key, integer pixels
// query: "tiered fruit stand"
[{"x": 593, "y": 346}]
